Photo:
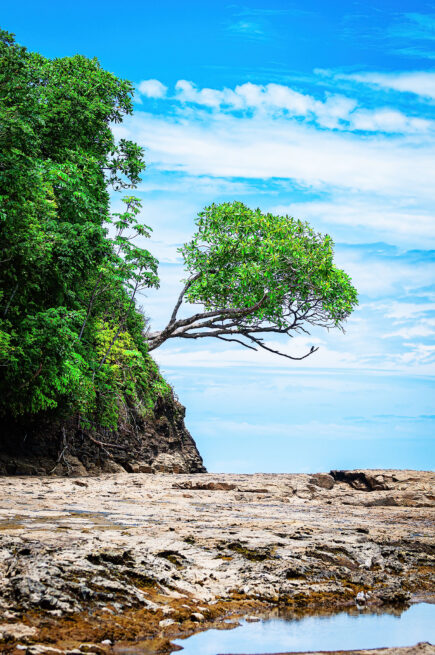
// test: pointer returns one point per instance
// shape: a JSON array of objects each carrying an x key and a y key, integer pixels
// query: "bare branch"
[
  {"x": 276, "y": 352},
  {"x": 236, "y": 341},
  {"x": 15, "y": 289},
  {"x": 180, "y": 298},
  {"x": 221, "y": 313},
  {"x": 193, "y": 322}
]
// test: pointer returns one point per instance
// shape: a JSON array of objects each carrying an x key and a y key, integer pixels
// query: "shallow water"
[{"x": 339, "y": 632}]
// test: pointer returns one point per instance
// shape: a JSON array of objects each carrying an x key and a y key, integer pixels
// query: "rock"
[
  {"x": 91, "y": 648},
  {"x": 106, "y": 642},
  {"x": 17, "y": 631},
  {"x": 160, "y": 443},
  {"x": 169, "y": 463},
  {"x": 23, "y": 467},
  {"x": 252, "y": 619},
  {"x": 360, "y": 598},
  {"x": 9, "y": 615},
  {"x": 393, "y": 594},
  {"x": 323, "y": 480},
  {"x": 139, "y": 467},
  {"x": 76, "y": 466},
  {"x": 197, "y": 616},
  {"x": 205, "y": 486},
  {"x": 362, "y": 480},
  {"x": 381, "y": 501},
  {"x": 110, "y": 466},
  {"x": 135, "y": 544}
]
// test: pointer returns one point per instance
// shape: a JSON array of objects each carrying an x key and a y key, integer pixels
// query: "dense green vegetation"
[{"x": 71, "y": 338}]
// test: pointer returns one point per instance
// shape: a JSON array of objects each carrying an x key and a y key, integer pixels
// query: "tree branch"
[
  {"x": 15, "y": 289},
  {"x": 180, "y": 298},
  {"x": 237, "y": 341},
  {"x": 171, "y": 331},
  {"x": 277, "y": 352}
]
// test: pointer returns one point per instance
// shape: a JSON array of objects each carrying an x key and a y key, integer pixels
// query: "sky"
[{"x": 323, "y": 111}]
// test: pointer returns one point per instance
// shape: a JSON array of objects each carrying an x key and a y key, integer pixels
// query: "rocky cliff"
[{"x": 160, "y": 443}]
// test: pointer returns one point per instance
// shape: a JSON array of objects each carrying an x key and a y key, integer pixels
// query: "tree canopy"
[
  {"x": 71, "y": 338},
  {"x": 257, "y": 274}
]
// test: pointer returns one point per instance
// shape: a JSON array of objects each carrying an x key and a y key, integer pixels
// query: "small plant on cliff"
[{"x": 256, "y": 275}]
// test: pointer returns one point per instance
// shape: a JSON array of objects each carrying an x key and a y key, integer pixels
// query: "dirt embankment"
[{"x": 140, "y": 559}]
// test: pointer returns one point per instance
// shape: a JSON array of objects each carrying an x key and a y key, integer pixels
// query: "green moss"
[{"x": 252, "y": 554}]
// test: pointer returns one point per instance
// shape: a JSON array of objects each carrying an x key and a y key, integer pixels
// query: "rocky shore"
[{"x": 126, "y": 562}]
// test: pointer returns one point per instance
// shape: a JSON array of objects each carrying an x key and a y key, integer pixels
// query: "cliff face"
[{"x": 46, "y": 446}]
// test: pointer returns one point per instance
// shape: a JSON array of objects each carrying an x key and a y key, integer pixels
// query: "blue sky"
[{"x": 324, "y": 111}]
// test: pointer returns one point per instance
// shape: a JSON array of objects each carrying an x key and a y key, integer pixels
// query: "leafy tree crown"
[{"x": 277, "y": 264}]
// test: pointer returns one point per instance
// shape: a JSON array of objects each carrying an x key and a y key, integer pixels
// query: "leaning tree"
[{"x": 256, "y": 275}]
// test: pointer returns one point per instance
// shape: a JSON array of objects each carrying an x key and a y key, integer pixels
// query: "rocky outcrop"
[
  {"x": 160, "y": 443},
  {"x": 138, "y": 557},
  {"x": 387, "y": 487}
]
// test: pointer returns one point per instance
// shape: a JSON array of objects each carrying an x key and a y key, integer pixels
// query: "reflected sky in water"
[{"x": 342, "y": 631}]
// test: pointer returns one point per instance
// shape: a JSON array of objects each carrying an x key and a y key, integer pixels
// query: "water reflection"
[{"x": 345, "y": 631}]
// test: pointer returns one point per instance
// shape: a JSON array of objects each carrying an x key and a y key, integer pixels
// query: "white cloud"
[
  {"x": 388, "y": 120},
  {"x": 208, "y": 356},
  {"x": 152, "y": 88},
  {"x": 268, "y": 99},
  {"x": 247, "y": 28},
  {"x": 377, "y": 278},
  {"x": 404, "y": 310},
  {"x": 421, "y": 83},
  {"x": 188, "y": 92},
  {"x": 228, "y": 146},
  {"x": 202, "y": 186},
  {"x": 418, "y": 354},
  {"x": 310, "y": 430},
  {"x": 421, "y": 329},
  {"x": 335, "y": 111},
  {"x": 395, "y": 218}
]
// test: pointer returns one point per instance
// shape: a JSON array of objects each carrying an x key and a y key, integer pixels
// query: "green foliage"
[
  {"x": 71, "y": 338},
  {"x": 275, "y": 267}
]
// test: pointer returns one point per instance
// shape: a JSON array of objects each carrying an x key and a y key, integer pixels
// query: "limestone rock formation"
[{"x": 133, "y": 558}]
